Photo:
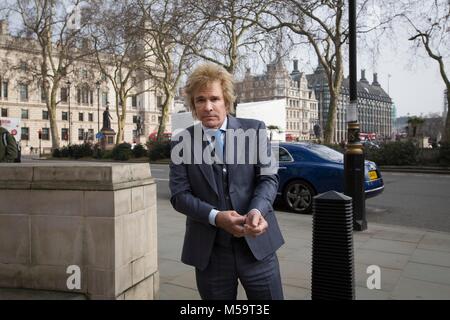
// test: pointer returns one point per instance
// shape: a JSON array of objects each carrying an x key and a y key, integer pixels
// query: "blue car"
[{"x": 307, "y": 169}]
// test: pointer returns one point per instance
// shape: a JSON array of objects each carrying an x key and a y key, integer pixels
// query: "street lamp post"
[
  {"x": 40, "y": 139},
  {"x": 70, "y": 114},
  {"x": 354, "y": 154},
  {"x": 98, "y": 105}
]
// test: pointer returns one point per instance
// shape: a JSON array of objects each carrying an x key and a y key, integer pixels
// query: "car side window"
[{"x": 284, "y": 155}]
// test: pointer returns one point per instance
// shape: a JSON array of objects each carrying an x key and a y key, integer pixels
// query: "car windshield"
[{"x": 326, "y": 152}]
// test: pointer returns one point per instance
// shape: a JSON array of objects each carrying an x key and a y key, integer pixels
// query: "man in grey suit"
[{"x": 231, "y": 229}]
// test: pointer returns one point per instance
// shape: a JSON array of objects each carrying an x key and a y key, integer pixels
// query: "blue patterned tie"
[{"x": 218, "y": 144}]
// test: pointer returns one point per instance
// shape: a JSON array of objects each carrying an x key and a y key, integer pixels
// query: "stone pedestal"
[
  {"x": 107, "y": 141},
  {"x": 98, "y": 217}
]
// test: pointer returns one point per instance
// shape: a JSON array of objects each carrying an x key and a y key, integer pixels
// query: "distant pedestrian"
[{"x": 8, "y": 146}]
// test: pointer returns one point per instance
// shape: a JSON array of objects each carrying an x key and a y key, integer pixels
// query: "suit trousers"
[{"x": 219, "y": 281}]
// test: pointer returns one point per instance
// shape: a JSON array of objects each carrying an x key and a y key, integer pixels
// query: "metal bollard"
[{"x": 333, "y": 276}]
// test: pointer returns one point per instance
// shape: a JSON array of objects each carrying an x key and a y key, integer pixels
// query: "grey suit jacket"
[{"x": 194, "y": 193}]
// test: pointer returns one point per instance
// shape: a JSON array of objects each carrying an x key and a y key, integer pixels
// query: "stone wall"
[{"x": 100, "y": 217}]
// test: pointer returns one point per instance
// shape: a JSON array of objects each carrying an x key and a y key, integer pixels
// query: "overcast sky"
[{"x": 415, "y": 85}]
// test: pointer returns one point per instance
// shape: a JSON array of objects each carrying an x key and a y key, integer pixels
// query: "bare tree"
[
  {"x": 321, "y": 22},
  {"x": 49, "y": 29},
  {"x": 170, "y": 32},
  {"x": 429, "y": 27},
  {"x": 120, "y": 52},
  {"x": 230, "y": 31}
]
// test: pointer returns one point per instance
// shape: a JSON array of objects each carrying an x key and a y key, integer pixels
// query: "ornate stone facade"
[
  {"x": 21, "y": 96},
  {"x": 277, "y": 83},
  {"x": 375, "y": 107}
]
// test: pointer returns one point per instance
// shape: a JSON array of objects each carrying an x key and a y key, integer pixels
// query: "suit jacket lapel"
[
  {"x": 233, "y": 124},
  {"x": 206, "y": 169}
]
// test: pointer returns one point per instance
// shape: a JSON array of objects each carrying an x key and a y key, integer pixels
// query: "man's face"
[{"x": 210, "y": 105}]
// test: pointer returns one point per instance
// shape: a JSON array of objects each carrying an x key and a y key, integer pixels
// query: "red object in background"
[
  {"x": 13, "y": 132},
  {"x": 290, "y": 137},
  {"x": 363, "y": 136},
  {"x": 166, "y": 136}
]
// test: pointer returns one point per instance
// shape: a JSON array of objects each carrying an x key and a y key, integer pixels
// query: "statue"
[
  {"x": 139, "y": 125},
  {"x": 106, "y": 119}
]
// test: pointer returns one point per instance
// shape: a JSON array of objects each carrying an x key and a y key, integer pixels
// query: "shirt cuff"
[
  {"x": 256, "y": 210},
  {"x": 212, "y": 216}
]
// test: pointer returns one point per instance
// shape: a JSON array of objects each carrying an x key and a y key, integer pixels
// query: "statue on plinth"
[{"x": 106, "y": 119}]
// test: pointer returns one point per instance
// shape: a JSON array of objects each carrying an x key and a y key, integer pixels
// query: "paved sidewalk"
[{"x": 415, "y": 263}]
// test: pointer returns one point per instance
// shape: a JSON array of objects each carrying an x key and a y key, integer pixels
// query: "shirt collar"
[{"x": 210, "y": 131}]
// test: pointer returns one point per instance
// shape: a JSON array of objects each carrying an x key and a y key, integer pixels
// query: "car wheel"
[{"x": 298, "y": 196}]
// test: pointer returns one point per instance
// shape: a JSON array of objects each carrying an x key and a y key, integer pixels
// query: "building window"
[
  {"x": 64, "y": 94},
  {"x": 91, "y": 117},
  {"x": 43, "y": 95},
  {"x": 25, "y": 134},
  {"x": 4, "y": 89},
  {"x": 64, "y": 134},
  {"x": 4, "y": 112},
  {"x": 135, "y": 119},
  {"x": 104, "y": 98},
  {"x": 24, "y": 114},
  {"x": 45, "y": 134},
  {"x": 44, "y": 115},
  {"x": 159, "y": 102},
  {"x": 83, "y": 95},
  {"x": 81, "y": 134},
  {"x": 64, "y": 116},
  {"x": 134, "y": 101},
  {"x": 153, "y": 118},
  {"x": 23, "y": 92},
  {"x": 90, "y": 134},
  {"x": 23, "y": 66},
  {"x": 81, "y": 116}
]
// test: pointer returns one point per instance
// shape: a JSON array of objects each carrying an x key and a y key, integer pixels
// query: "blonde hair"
[{"x": 206, "y": 74}]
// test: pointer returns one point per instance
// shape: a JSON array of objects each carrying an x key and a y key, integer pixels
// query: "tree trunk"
[
  {"x": 164, "y": 113},
  {"x": 121, "y": 117},
  {"x": 446, "y": 135},
  {"x": 328, "y": 134},
  {"x": 52, "y": 117}
]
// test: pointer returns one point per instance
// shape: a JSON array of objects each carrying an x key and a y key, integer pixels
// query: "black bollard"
[{"x": 333, "y": 276}]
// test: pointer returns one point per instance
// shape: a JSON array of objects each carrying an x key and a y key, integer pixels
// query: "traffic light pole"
[{"x": 354, "y": 154}]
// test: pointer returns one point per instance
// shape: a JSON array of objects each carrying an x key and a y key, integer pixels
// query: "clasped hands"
[{"x": 252, "y": 224}]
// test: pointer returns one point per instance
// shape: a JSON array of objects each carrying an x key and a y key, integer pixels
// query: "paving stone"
[
  {"x": 435, "y": 241},
  {"x": 427, "y": 272},
  {"x": 390, "y": 246},
  {"x": 411, "y": 289},
  {"x": 381, "y": 259},
  {"x": 438, "y": 258},
  {"x": 169, "y": 291}
]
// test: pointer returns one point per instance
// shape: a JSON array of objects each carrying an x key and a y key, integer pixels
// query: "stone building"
[
  {"x": 84, "y": 91},
  {"x": 375, "y": 107},
  {"x": 276, "y": 83}
]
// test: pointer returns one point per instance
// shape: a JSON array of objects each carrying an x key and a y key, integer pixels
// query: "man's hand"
[
  {"x": 232, "y": 222},
  {"x": 255, "y": 224}
]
